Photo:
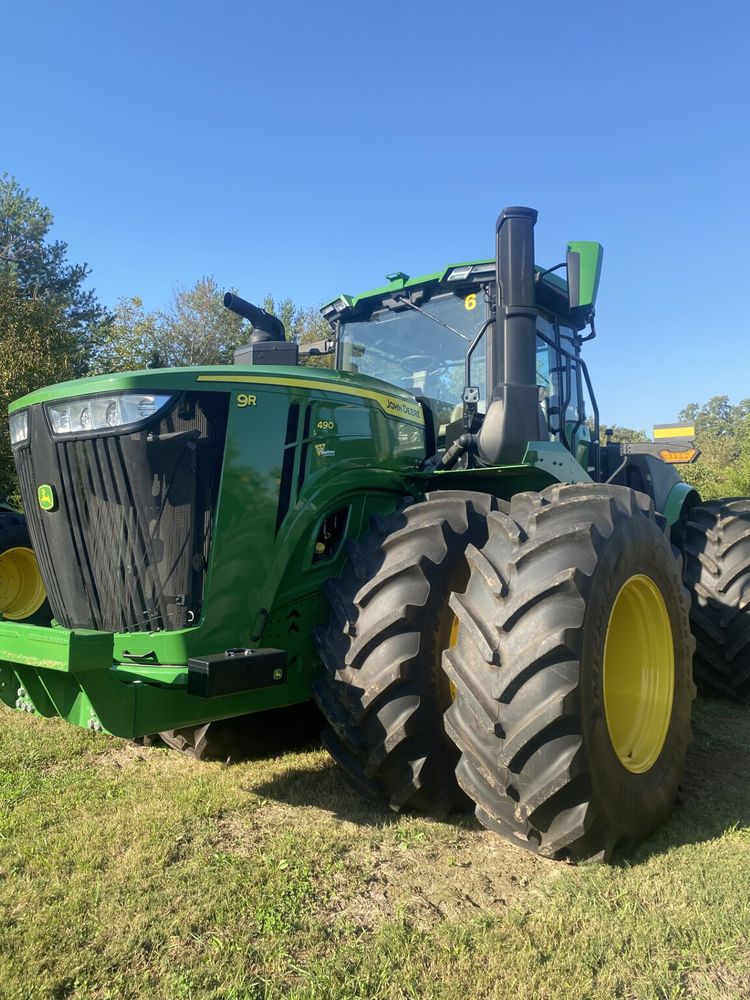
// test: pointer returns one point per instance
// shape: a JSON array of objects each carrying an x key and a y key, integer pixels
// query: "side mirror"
[{"x": 584, "y": 261}]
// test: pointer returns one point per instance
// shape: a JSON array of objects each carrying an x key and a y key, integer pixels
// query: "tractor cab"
[
  {"x": 491, "y": 350},
  {"x": 434, "y": 336}
]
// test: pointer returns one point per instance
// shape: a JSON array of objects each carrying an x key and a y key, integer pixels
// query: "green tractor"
[{"x": 428, "y": 540}]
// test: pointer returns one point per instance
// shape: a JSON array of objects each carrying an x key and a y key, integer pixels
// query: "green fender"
[{"x": 677, "y": 497}]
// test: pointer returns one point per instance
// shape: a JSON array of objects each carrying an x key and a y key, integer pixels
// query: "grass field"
[{"x": 130, "y": 872}]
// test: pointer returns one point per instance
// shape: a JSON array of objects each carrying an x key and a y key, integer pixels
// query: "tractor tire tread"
[
  {"x": 383, "y": 723},
  {"x": 516, "y": 717},
  {"x": 717, "y": 574}
]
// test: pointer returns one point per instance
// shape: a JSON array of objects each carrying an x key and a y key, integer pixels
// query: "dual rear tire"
[
  {"x": 567, "y": 713},
  {"x": 382, "y": 690},
  {"x": 717, "y": 573}
]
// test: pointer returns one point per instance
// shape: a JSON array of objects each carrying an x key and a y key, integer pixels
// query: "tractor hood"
[
  {"x": 394, "y": 400},
  {"x": 137, "y": 485}
]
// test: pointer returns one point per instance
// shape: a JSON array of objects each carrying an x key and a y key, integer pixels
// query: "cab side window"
[
  {"x": 558, "y": 377},
  {"x": 574, "y": 411},
  {"x": 547, "y": 373}
]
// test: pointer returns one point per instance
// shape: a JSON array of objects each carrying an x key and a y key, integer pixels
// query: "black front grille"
[{"x": 126, "y": 548}]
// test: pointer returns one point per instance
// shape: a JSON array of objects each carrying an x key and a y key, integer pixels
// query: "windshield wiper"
[{"x": 406, "y": 302}]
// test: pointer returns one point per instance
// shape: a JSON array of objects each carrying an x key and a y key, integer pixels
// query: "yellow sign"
[{"x": 668, "y": 431}]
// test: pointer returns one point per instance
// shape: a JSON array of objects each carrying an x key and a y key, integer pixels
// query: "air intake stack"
[
  {"x": 268, "y": 344},
  {"x": 513, "y": 414}
]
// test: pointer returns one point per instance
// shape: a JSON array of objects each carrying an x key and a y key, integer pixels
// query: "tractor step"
[{"x": 236, "y": 670}]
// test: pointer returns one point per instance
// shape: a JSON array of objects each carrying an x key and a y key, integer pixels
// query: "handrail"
[{"x": 582, "y": 367}]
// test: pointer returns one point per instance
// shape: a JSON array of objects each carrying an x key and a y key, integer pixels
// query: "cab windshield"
[{"x": 415, "y": 350}]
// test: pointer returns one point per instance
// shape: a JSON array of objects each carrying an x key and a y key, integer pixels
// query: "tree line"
[{"x": 53, "y": 328}]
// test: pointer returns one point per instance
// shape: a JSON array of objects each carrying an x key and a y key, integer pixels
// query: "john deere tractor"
[{"x": 428, "y": 540}]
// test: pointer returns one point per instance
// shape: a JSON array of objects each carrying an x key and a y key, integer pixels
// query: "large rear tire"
[
  {"x": 717, "y": 574},
  {"x": 382, "y": 690},
  {"x": 573, "y": 672},
  {"x": 22, "y": 594}
]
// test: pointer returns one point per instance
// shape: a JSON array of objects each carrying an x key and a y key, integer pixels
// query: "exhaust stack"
[
  {"x": 265, "y": 326},
  {"x": 512, "y": 418},
  {"x": 268, "y": 344}
]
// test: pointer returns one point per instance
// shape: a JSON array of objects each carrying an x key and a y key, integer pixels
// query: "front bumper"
[{"x": 71, "y": 673}]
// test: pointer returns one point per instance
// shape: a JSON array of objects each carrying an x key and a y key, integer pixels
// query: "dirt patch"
[
  {"x": 388, "y": 863},
  {"x": 479, "y": 874},
  {"x": 718, "y": 981},
  {"x": 379, "y": 863},
  {"x": 124, "y": 755}
]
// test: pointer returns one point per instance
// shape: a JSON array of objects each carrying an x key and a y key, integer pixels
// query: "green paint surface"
[{"x": 590, "y": 255}]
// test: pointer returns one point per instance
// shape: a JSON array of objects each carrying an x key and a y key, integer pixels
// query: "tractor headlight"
[
  {"x": 19, "y": 427},
  {"x": 104, "y": 413}
]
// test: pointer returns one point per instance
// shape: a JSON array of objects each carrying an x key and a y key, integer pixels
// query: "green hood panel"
[{"x": 216, "y": 378}]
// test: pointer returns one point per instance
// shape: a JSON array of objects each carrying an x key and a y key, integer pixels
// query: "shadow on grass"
[
  {"x": 309, "y": 781},
  {"x": 715, "y": 791},
  {"x": 255, "y": 737},
  {"x": 323, "y": 786},
  {"x": 714, "y": 796}
]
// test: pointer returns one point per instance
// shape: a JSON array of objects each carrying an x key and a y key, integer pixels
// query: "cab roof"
[{"x": 552, "y": 290}]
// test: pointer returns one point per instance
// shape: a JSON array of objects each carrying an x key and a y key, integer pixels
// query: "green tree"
[
  {"x": 303, "y": 325},
  {"x": 625, "y": 434},
  {"x": 737, "y": 479},
  {"x": 196, "y": 329},
  {"x": 49, "y": 323},
  {"x": 38, "y": 268},
  {"x": 718, "y": 417},
  {"x": 132, "y": 339},
  {"x": 33, "y": 352},
  {"x": 722, "y": 433}
]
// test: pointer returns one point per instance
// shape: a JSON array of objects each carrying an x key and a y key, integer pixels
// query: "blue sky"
[{"x": 306, "y": 149}]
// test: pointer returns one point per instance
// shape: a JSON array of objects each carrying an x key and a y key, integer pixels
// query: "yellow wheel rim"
[
  {"x": 21, "y": 589},
  {"x": 453, "y": 641},
  {"x": 638, "y": 674}
]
